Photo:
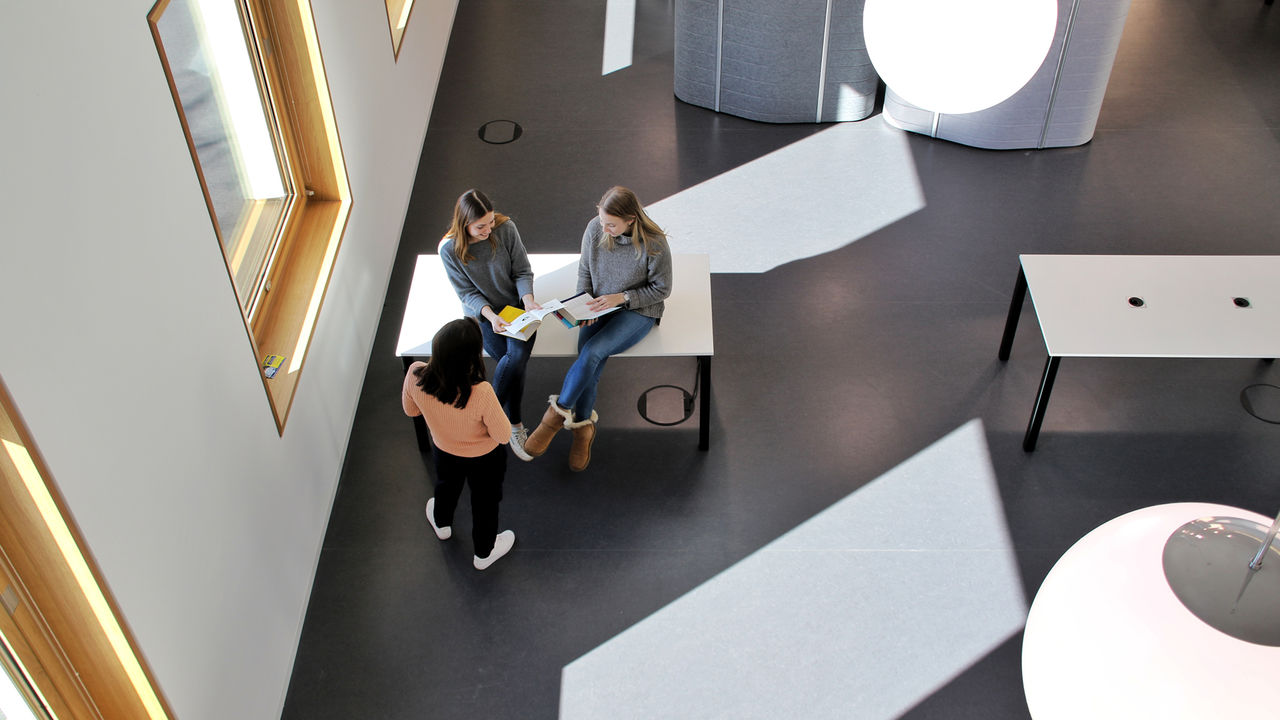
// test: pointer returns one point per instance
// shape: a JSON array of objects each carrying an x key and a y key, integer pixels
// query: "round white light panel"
[{"x": 958, "y": 56}]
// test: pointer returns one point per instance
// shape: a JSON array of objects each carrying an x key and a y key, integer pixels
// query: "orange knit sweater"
[{"x": 471, "y": 431}]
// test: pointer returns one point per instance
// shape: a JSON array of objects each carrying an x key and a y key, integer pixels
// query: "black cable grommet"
[
  {"x": 501, "y": 132},
  {"x": 642, "y": 403}
]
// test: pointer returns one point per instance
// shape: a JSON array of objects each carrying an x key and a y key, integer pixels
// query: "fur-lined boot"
[
  {"x": 552, "y": 420},
  {"x": 584, "y": 433}
]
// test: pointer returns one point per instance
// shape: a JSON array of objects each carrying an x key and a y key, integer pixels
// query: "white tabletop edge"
[
  {"x": 685, "y": 330},
  {"x": 1082, "y": 303}
]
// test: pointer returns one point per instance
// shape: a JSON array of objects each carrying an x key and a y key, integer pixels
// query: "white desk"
[
  {"x": 1187, "y": 309},
  {"x": 685, "y": 330}
]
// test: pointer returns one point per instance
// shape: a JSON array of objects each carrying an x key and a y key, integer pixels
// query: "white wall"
[{"x": 122, "y": 344}]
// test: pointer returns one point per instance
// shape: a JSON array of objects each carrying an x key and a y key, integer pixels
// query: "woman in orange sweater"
[{"x": 469, "y": 428}]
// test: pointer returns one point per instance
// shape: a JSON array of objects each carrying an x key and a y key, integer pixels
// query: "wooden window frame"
[
  {"x": 65, "y": 628},
  {"x": 283, "y": 319}
]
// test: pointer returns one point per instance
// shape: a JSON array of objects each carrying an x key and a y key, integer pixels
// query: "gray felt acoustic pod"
[
  {"x": 1058, "y": 107},
  {"x": 795, "y": 61}
]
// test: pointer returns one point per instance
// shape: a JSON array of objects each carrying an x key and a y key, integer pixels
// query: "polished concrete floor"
[{"x": 857, "y": 401}]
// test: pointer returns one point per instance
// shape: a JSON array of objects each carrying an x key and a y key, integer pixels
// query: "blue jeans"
[
  {"x": 608, "y": 335},
  {"x": 510, "y": 357}
]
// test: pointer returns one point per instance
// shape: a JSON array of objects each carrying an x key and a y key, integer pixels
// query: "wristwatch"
[{"x": 626, "y": 298}]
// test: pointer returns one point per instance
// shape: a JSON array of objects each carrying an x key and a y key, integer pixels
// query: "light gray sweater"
[
  {"x": 493, "y": 276},
  {"x": 602, "y": 270}
]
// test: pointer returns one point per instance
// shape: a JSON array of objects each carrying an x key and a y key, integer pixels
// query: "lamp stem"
[{"x": 1256, "y": 563}]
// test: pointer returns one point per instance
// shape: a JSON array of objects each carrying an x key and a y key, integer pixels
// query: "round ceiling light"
[{"x": 958, "y": 56}]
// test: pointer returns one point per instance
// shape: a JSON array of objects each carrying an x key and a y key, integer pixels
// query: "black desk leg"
[
  {"x": 1042, "y": 401},
  {"x": 1015, "y": 310},
  {"x": 419, "y": 425},
  {"x": 704, "y": 402}
]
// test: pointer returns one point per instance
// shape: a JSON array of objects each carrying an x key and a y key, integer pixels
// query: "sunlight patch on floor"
[
  {"x": 862, "y": 611},
  {"x": 809, "y": 198}
]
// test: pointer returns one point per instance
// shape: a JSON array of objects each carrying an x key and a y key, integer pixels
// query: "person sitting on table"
[
  {"x": 625, "y": 264},
  {"x": 468, "y": 427},
  {"x": 489, "y": 270}
]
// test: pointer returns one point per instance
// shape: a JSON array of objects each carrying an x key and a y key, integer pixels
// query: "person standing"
[
  {"x": 488, "y": 266},
  {"x": 468, "y": 428},
  {"x": 625, "y": 263}
]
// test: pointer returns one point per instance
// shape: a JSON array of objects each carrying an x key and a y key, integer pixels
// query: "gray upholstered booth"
[
  {"x": 794, "y": 61},
  {"x": 1058, "y": 107}
]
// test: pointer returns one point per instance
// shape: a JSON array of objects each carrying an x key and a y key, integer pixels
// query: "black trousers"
[{"x": 484, "y": 476}]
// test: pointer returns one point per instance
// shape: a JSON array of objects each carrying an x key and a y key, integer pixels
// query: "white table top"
[
  {"x": 1082, "y": 302},
  {"x": 1107, "y": 638},
  {"x": 685, "y": 329}
]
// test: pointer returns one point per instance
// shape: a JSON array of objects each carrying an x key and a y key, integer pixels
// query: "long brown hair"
[
  {"x": 471, "y": 206},
  {"x": 621, "y": 202},
  {"x": 455, "y": 363}
]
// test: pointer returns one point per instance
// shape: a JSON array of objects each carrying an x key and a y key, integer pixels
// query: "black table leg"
[
  {"x": 1042, "y": 401},
  {"x": 1015, "y": 310},
  {"x": 704, "y": 402},
  {"x": 419, "y": 425}
]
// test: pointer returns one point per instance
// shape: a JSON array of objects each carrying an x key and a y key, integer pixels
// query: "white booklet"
[
  {"x": 574, "y": 310},
  {"x": 522, "y": 324}
]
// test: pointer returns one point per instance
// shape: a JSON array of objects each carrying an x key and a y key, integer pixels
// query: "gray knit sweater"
[
  {"x": 602, "y": 271},
  {"x": 493, "y": 276}
]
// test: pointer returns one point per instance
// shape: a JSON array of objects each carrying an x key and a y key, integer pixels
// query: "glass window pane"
[
  {"x": 213, "y": 74},
  {"x": 398, "y": 17},
  {"x": 14, "y": 703}
]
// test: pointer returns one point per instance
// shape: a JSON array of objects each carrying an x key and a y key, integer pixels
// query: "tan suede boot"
[
  {"x": 552, "y": 420},
  {"x": 584, "y": 433}
]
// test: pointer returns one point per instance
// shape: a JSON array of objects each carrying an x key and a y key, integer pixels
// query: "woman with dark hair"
[
  {"x": 489, "y": 269},
  {"x": 625, "y": 263},
  {"x": 468, "y": 428}
]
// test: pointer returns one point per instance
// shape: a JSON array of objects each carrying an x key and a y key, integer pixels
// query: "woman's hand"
[
  {"x": 604, "y": 302},
  {"x": 530, "y": 303},
  {"x": 495, "y": 320}
]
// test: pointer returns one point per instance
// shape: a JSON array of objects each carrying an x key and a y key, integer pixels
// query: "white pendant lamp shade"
[{"x": 958, "y": 56}]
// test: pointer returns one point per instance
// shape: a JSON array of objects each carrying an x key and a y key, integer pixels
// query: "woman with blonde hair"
[
  {"x": 625, "y": 263},
  {"x": 489, "y": 269}
]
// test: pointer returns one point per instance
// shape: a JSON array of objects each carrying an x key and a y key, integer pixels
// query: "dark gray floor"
[{"x": 866, "y": 355}]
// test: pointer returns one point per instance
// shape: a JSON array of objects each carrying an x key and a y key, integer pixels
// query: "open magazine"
[
  {"x": 522, "y": 324},
  {"x": 574, "y": 310}
]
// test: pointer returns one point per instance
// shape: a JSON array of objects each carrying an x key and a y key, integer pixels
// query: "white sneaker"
[
  {"x": 444, "y": 533},
  {"x": 519, "y": 436},
  {"x": 501, "y": 546}
]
